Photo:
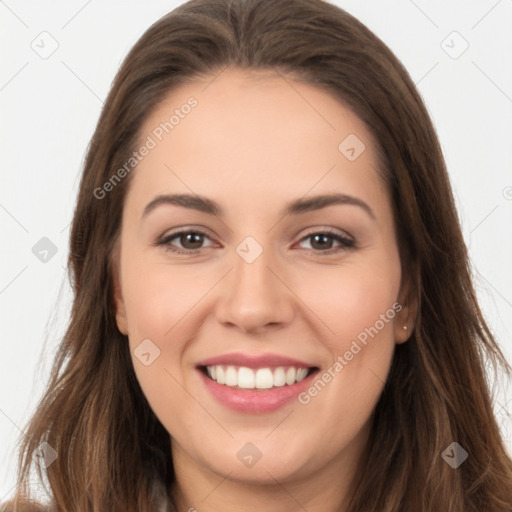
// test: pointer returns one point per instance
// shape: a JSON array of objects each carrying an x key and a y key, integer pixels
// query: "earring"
[{"x": 405, "y": 327}]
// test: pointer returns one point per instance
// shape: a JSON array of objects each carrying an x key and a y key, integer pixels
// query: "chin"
[{"x": 262, "y": 465}]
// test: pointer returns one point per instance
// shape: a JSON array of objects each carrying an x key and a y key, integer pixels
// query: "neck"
[{"x": 199, "y": 488}]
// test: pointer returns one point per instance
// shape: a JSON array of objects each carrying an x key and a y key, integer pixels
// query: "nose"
[{"x": 255, "y": 296}]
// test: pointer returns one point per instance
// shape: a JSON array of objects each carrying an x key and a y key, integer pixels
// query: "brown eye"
[
  {"x": 190, "y": 242},
  {"x": 322, "y": 242}
]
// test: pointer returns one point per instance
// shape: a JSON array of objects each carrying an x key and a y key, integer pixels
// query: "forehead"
[{"x": 259, "y": 133}]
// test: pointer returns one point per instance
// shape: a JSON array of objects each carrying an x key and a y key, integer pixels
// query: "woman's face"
[{"x": 272, "y": 283}]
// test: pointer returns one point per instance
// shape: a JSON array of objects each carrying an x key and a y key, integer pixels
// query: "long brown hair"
[{"x": 110, "y": 446}]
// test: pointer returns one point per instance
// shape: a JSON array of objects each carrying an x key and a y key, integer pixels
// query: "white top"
[{"x": 164, "y": 504}]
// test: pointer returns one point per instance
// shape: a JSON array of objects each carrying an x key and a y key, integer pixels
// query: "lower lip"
[{"x": 255, "y": 401}]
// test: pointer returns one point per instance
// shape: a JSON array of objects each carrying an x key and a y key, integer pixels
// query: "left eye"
[
  {"x": 318, "y": 240},
  {"x": 192, "y": 242}
]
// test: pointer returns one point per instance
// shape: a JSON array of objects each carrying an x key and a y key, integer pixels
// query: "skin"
[{"x": 254, "y": 143}]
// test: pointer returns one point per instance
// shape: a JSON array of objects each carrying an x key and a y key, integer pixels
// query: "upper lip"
[{"x": 254, "y": 361}]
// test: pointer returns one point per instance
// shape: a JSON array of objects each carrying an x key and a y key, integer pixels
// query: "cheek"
[
  {"x": 352, "y": 300},
  {"x": 356, "y": 305},
  {"x": 364, "y": 309},
  {"x": 157, "y": 295},
  {"x": 158, "y": 299}
]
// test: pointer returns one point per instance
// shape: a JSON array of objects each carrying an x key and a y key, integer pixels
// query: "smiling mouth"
[{"x": 260, "y": 379}]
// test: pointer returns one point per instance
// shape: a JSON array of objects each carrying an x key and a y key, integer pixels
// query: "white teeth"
[
  {"x": 301, "y": 374},
  {"x": 231, "y": 376},
  {"x": 290, "y": 376},
  {"x": 245, "y": 378},
  {"x": 262, "y": 378},
  {"x": 279, "y": 377}
]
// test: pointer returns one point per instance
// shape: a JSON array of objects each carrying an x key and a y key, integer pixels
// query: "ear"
[
  {"x": 406, "y": 316},
  {"x": 122, "y": 323}
]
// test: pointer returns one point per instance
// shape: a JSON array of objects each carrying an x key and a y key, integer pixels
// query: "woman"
[{"x": 273, "y": 306}]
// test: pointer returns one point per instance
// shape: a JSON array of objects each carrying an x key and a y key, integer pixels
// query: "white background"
[{"x": 50, "y": 108}]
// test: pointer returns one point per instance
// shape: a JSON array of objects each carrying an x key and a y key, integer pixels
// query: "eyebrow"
[{"x": 298, "y": 206}]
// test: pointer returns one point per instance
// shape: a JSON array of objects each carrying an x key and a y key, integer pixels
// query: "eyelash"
[{"x": 346, "y": 243}]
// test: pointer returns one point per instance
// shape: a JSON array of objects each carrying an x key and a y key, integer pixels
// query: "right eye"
[{"x": 185, "y": 237}]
